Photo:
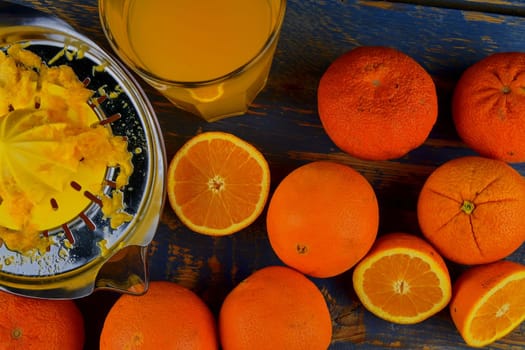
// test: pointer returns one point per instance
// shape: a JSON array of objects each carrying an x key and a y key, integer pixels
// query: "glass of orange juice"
[{"x": 210, "y": 58}]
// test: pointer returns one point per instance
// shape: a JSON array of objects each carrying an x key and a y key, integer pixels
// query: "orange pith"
[
  {"x": 489, "y": 302},
  {"x": 402, "y": 279},
  {"x": 217, "y": 183}
]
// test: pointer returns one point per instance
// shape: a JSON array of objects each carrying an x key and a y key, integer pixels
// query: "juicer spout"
[{"x": 125, "y": 272}]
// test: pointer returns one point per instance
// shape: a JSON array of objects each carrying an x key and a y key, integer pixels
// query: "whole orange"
[
  {"x": 275, "y": 308},
  {"x": 472, "y": 210},
  {"x": 377, "y": 103},
  {"x": 35, "y": 324},
  {"x": 322, "y": 218},
  {"x": 488, "y": 106},
  {"x": 167, "y": 316}
]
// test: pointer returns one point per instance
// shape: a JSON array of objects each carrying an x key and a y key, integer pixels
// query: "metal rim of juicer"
[{"x": 121, "y": 263}]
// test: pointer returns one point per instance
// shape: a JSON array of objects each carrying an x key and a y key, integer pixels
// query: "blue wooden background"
[{"x": 445, "y": 36}]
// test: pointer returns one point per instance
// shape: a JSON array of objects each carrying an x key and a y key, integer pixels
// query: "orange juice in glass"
[{"x": 208, "y": 57}]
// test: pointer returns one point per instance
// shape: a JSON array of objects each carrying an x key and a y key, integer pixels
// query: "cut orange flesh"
[
  {"x": 402, "y": 279},
  {"x": 218, "y": 183},
  {"x": 489, "y": 302}
]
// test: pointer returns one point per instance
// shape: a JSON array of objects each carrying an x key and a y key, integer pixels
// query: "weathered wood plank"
[{"x": 507, "y": 7}]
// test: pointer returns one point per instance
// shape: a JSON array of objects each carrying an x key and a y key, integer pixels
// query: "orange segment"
[
  {"x": 489, "y": 302},
  {"x": 218, "y": 183},
  {"x": 402, "y": 279}
]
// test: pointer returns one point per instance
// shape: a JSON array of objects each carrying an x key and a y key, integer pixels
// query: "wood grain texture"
[
  {"x": 508, "y": 7},
  {"x": 444, "y": 36}
]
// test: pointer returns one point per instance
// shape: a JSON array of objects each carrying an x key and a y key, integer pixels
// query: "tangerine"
[
  {"x": 377, "y": 103},
  {"x": 488, "y": 106},
  {"x": 471, "y": 209}
]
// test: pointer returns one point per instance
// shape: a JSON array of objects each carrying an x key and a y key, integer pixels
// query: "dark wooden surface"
[{"x": 445, "y": 36}]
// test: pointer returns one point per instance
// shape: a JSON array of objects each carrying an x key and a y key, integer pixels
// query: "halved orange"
[
  {"x": 488, "y": 302},
  {"x": 217, "y": 183},
  {"x": 402, "y": 279}
]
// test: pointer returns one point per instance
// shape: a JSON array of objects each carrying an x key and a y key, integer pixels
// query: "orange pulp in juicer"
[{"x": 54, "y": 152}]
